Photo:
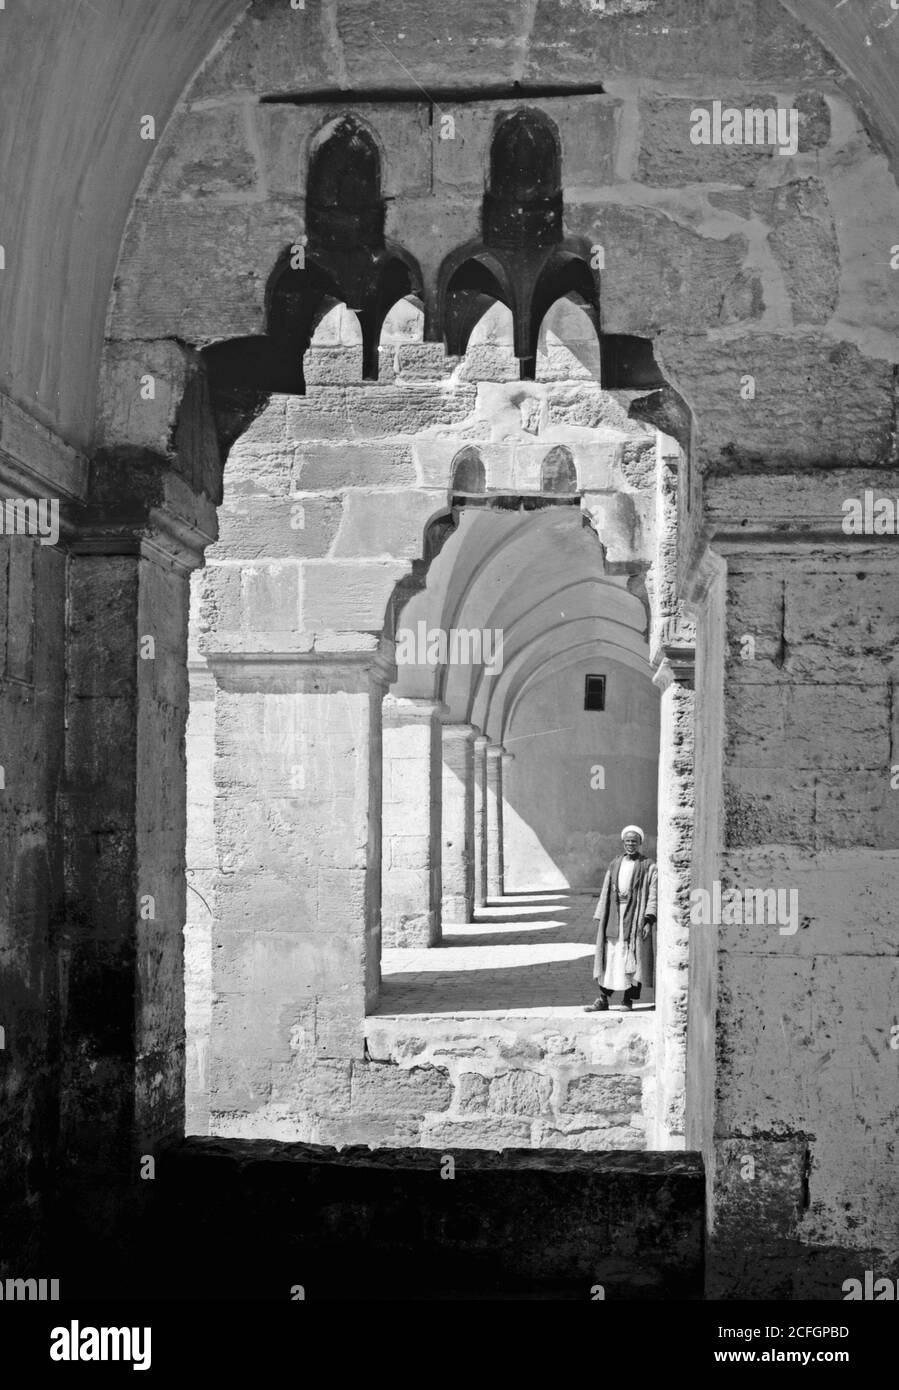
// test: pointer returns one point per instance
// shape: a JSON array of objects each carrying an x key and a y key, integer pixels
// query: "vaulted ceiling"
[{"x": 539, "y": 579}]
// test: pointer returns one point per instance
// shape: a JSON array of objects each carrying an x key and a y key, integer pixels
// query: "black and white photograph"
[{"x": 449, "y": 647}]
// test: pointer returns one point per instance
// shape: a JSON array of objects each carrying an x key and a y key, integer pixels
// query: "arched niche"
[
  {"x": 558, "y": 474},
  {"x": 524, "y": 199},
  {"x": 344, "y": 206},
  {"x": 469, "y": 473}
]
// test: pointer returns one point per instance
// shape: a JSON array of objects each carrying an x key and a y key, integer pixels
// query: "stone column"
[
  {"x": 480, "y": 820},
  {"x": 674, "y": 676},
  {"x": 297, "y": 893},
  {"x": 122, "y": 808},
  {"x": 411, "y": 831},
  {"x": 200, "y": 859},
  {"x": 494, "y": 829},
  {"x": 458, "y": 822},
  {"x": 507, "y": 758}
]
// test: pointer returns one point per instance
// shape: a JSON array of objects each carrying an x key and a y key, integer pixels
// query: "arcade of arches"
[
  {"x": 476, "y": 768},
  {"x": 554, "y": 387}
]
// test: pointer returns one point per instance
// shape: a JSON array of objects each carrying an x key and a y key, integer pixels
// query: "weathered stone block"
[
  {"x": 606, "y": 1094},
  {"x": 589, "y": 1138},
  {"x": 326, "y": 1090},
  {"x": 199, "y": 277},
  {"x": 377, "y": 53},
  {"x": 461, "y": 139},
  {"x": 472, "y": 1092},
  {"x": 332, "y": 366},
  {"x": 807, "y": 726},
  {"x": 397, "y": 1131},
  {"x": 588, "y": 131},
  {"x": 384, "y": 523},
  {"x": 386, "y": 1089},
  {"x": 348, "y": 597},
  {"x": 424, "y": 362},
  {"x": 352, "y": 465},
  {"x": 488, "y": 362},
  {"x": 229, "y": 67},
  {"x": 804, "y": 241},
  {"x": 505, "y": 1132},
  {"x": 263, "y": 899},
  {"x": 292, "y": 49},
  {"x": 271, "y": 597},
  {"x": 765, "y": 809},
  {"x": 856, "y": 808},
  {"x": 131, "y": 371},
  {"x": 761, "y": 43},
  {"x": 519, "y": 1093},
  {"x": 262, "y": 528},
  {"x": 657, "y": 272},
  {"x": 850, "y": 612},
  {"x": 341, "y": 897},
  {"x": 414, "y": 221},
  {"x": 384, "y": 410},
  {"x": 205, "y": 154},
  {"x": 847, "y": 399},
  {"x": 668, "y": 155}
]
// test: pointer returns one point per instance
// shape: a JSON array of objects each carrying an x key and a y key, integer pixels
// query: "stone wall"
[
  {"x": 805, "y": 1100},
  {"x": 306, "y": 1222},
  {"x": 482, "y": 1083},
  {"x": 578, "y": 777},
  {"x": 32, "y": 712}
]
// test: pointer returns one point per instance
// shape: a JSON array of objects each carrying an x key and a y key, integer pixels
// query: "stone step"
[{"x": 582, "y": 1081}]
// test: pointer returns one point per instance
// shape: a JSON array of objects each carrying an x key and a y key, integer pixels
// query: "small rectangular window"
[{"x": 595, "y": 692}]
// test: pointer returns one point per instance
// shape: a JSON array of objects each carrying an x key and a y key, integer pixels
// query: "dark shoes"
[{"x": 598, "y": 1006}]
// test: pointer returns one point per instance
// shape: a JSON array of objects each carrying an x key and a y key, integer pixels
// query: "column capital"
[
  {"x": 674, "y": 652},
  {"x": 495, "y": 750},
  {"x": 481, "y": 741},
  {"x": 143, "y": 508},
  {"x": 452, "y": 730},
  {"x": 410, "y": 709}
]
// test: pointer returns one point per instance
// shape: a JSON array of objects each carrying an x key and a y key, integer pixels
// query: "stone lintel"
[
  {"x": 747, "y": 510},
  {"x": 288, "y": 672}
]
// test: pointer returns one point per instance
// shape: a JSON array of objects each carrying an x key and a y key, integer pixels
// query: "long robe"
[{"x": 642, "y": 902}]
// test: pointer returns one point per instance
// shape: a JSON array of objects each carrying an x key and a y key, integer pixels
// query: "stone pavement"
[{"x": 526, "y": 954}]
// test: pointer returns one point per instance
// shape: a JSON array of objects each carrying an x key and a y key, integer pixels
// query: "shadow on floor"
[{"x": 517, "y": 954}]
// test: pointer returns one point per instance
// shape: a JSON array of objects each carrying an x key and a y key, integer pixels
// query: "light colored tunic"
[{"x": 615, "y": 976}]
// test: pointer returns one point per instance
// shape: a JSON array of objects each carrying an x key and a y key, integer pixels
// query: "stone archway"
[{"x": 716, "y": 328}]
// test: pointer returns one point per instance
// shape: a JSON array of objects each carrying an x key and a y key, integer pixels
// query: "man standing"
[{"x": 626, "y": 913}]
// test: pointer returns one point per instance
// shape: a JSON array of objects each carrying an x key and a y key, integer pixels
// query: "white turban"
[{"x": 632, "y": 830}]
